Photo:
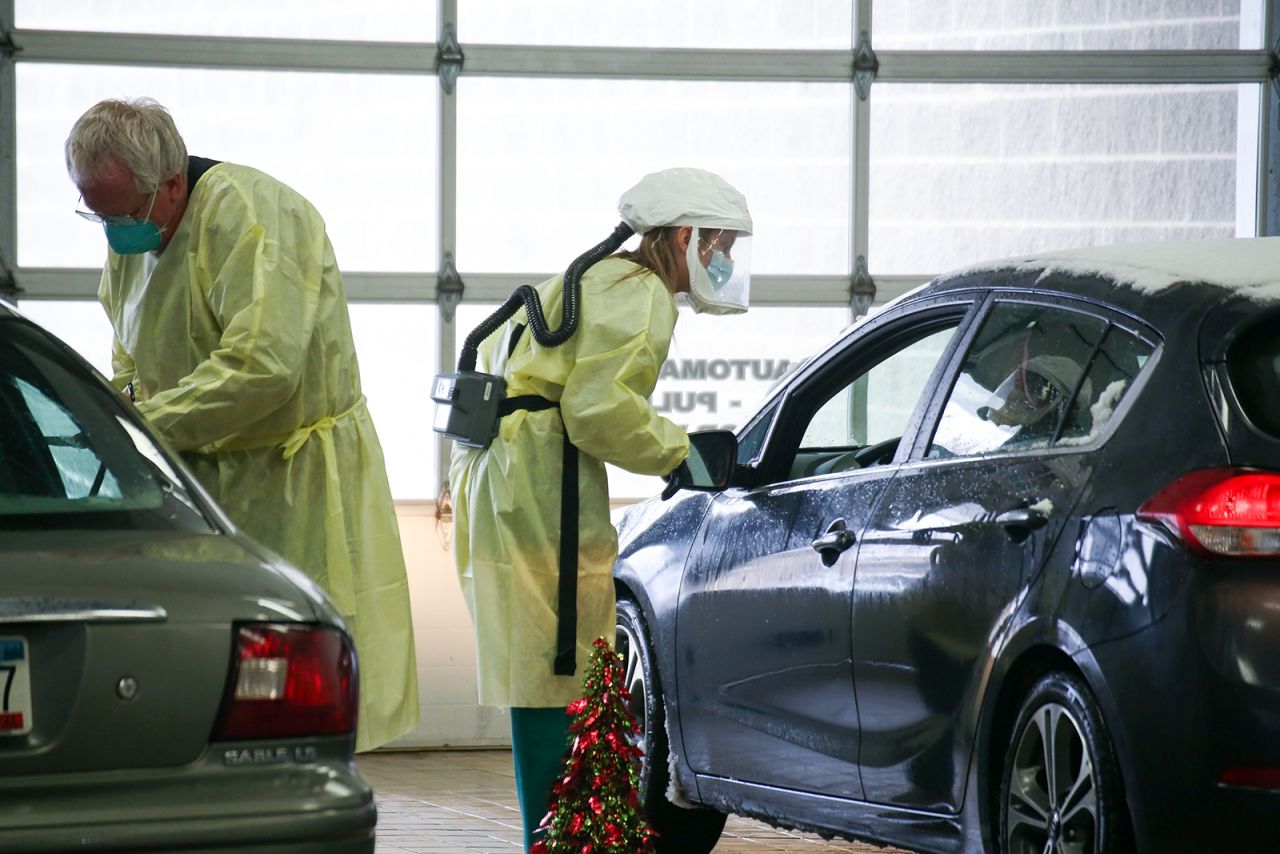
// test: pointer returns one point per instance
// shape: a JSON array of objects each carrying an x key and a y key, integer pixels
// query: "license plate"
[{"x": 15, "y": 687}]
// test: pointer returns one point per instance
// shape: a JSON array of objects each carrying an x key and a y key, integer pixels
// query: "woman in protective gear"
[{"x": 512, "y": 522}]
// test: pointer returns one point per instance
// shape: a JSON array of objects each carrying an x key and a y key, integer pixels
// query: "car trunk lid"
[{"x": 114, "y": 651}]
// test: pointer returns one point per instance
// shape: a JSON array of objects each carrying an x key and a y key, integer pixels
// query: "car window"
[
  {"x": 1253, "y": 363},
  {"x": 750, "y": 442},
  {"x": 1111, "y": 374},
  {"x": 860, "y": 424},
  {"x": 80, "y": 472},
  {"x": 1034, "y": 377},
  {"x": 65, "y": 451}
]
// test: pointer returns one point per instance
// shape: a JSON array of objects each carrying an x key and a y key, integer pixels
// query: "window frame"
[
  {"x": 864, "y": 347},
  {"x": 1111, "y": 318}
]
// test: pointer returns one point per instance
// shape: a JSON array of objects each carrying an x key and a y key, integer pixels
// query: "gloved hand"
[{"x": 673, "y": 479}]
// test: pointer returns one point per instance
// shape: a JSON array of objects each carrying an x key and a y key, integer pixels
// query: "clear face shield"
[
  {"x": 1024, "y": 398},
  {"x": 719, "y": 262}
]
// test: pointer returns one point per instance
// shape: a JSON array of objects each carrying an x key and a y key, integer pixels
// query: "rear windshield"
[
  {"x": 1254, "y": 366},
  {"x": 70, "y": 456}
]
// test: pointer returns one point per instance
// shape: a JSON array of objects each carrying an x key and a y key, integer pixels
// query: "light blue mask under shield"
[{"x": 719, "y": 270}]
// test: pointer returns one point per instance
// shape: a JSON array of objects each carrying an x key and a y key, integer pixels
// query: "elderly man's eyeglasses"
[{"x": 128, "y": 219}]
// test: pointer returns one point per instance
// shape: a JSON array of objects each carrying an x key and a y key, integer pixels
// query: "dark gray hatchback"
[
  {"x": 165, "y": 683},
  {"x": 999, "y": 570}
]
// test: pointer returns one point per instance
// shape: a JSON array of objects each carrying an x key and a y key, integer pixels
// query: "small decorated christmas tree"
[{"x": 594, "y": 803}]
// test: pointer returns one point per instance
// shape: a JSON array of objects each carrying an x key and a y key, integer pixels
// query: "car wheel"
[
  {"x": 692, "y": 831},
  {"x": 1060, "y": 791}
]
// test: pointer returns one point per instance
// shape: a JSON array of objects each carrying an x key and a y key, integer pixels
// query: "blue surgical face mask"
[
  {"x": 133, "y": 238},
  {"x": 129, "y": 236},
  {"x": 719, "y": 270}
]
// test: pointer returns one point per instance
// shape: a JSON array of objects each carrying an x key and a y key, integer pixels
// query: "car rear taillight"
[
  {"x": 289, "y": 681},
  {"x": 1253, "y": 777},
  {"x": 1222, "y": 511}
]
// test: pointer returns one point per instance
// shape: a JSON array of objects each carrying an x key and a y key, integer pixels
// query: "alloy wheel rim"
[
  {"x": 629, "y": 648},
  {"x": 1052, "y": 805}
]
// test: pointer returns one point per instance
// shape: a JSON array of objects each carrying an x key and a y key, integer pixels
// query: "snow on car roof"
[{"x": 1251, "y": 265}]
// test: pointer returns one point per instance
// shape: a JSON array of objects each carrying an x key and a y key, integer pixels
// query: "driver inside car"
[{"x": 1034, "y": 397}]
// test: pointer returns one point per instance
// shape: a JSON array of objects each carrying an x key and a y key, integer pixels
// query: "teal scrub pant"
[{"x": 539, "y": 739}]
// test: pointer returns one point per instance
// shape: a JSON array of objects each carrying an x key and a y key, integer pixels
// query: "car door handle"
[
  {"x": 837, "y": 539},
  {"x": 1019, "y": 522}
]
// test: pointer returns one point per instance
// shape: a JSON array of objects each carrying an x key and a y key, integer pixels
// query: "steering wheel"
[{"x": 877, "y": 454}]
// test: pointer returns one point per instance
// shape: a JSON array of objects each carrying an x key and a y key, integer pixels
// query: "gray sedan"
[{"x": 165, "y": 683}]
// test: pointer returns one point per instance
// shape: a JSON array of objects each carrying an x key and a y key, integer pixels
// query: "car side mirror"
[{"x": 712, "y": 454}]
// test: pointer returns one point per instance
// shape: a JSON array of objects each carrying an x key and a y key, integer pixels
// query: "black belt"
[{"x": 567, "y": 586}]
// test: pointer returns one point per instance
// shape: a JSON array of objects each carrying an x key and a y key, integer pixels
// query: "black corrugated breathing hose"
[{"x": 527, "y": 296}]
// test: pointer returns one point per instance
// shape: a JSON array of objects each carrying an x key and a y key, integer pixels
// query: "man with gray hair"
[{"x": 233, "y": 338}]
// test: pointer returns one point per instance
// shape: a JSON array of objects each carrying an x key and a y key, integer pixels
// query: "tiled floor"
[{"x": 464, "y": 800}]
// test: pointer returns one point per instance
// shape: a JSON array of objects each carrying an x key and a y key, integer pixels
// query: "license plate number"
[{"x": 15, "y": 687}]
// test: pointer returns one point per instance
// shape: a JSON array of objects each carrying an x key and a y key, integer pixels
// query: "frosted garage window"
[
  {"x": 1064, "y": 25},
  {"x": 81, "y": 324},
  {"x": 660, "y": 23},
  {"x": 469, "y": 315},
  {"x": 383, "y": 20},
  {"x": 541, "y": 164},
  {"x": 360, "y": 147},
  {"x": 720, "y": 369},
  {"x": 961, "y": 174},
  {"x": 396, "y": 346}
]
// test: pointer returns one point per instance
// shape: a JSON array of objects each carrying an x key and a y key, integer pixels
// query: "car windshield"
[{"x": 70, "y": 456}]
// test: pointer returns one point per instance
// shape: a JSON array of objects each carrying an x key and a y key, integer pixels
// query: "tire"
[
  {"x": 1059, "y": 733},
  {"x": 688, "y": 831}
]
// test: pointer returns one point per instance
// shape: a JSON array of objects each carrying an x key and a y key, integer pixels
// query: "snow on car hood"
[{"x": 1249, "y": 265}]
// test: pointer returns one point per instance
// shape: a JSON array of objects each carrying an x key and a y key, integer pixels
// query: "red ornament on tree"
[{"x": 595, "y": 806}]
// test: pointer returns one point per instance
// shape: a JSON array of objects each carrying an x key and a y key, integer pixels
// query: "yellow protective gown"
[
  {"x": 507, "y": 497},
  {"x": 238, "y": 344}
]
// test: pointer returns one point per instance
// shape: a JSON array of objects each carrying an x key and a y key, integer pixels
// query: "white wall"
[{"x": 445, "y": 642}]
